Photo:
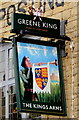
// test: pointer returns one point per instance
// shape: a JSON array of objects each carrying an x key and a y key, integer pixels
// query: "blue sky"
[{"x": 37, "y": 53}]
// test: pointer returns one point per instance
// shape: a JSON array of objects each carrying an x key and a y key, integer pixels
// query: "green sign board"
[
  {"x": 39, "y": 77},
  {"x": 40, "y": 26}
]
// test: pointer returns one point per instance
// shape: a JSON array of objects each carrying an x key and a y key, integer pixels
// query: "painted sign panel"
[
  {"x": 40, "y": 26},
  {"x": 39, "y": 80}
]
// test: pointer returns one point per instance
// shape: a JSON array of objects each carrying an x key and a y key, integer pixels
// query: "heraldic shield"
[
  {"x": 41, "y": 81},
  {"x": 41, "y": 77}
]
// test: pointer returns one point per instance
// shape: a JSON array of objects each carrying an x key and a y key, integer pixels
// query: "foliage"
[{"x": 53, "y": 97}]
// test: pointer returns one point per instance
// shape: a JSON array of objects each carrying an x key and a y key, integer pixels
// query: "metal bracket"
[
  {"x": 62, "y": 27},
  {"x": 62, "y": 48},
  {"x": 9, "y": 39}
]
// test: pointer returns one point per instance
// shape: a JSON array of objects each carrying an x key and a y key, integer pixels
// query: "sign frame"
[{"x": 17, "y": 79}]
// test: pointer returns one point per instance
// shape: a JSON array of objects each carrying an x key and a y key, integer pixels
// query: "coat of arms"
[{"x": 41, "y": 79}]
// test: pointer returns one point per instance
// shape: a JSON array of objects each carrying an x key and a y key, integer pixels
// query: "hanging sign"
[
  {"x": 39, "y": 77},
  {"x": 36, "y": 25}
]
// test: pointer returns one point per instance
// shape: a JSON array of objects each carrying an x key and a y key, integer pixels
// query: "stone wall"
[
  {"x": 68, "y": 12},
  {"x": 70, "y": 63}
]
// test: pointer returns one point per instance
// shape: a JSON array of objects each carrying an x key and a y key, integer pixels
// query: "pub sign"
[
  {"x": 39, "y": 77},
  {"x": 36, "y": 25}
]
